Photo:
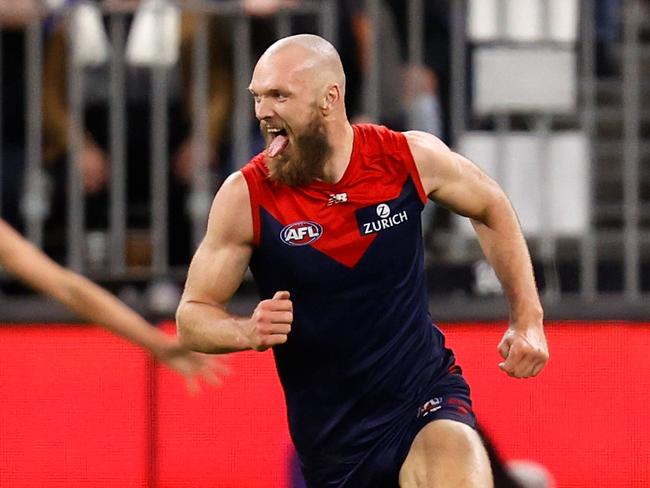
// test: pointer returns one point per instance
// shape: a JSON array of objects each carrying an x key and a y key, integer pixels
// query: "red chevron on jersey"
[{"x": 326, "y": 216}]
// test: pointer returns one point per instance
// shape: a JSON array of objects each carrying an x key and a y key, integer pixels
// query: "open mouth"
[
  {"x": 273, "y": 132},
  {"x": 279, "y": 141}
]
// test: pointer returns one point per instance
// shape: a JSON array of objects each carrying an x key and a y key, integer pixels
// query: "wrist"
[
  {"x": 243, "y": 338},
  {"x": 526, "y": 318},
  {"x": 523, "y": 301},
  {"x": 164, "y": 346}
]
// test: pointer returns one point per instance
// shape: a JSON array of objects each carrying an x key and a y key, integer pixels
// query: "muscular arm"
[
  {"x": 453, "y": 181},
  {"x": 216, "y": 272}
]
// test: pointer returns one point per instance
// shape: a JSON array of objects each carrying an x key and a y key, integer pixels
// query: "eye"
[{"x": 282, "y": 98}]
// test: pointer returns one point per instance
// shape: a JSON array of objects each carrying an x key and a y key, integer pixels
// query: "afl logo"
[
  {"x": 301, "y": 233},
  {"x": 383, "y": 210}
]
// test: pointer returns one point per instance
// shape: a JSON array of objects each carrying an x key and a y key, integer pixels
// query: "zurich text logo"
[
  {"x": 386, "y": 220},
  {"x": 301, "y": 233}
]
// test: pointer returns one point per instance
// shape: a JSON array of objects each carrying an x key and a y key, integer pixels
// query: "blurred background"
[{"x": 121, "y": 118}]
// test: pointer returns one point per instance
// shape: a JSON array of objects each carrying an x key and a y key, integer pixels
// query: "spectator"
[{"x": 94, "y": 160}]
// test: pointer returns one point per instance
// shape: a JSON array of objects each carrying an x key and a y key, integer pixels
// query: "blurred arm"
[
  {"x": 76, "y": 292},
  {"x": 30, "y": 265}
]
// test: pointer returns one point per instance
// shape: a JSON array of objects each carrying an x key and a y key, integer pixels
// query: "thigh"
[{"x": 446, "y": 453}]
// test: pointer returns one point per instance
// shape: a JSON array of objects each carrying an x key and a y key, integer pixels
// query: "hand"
[
  {"x": 271, "y": 322},
  {"x": 525, "y": 351},
  {"x": 192, "y": 365},
  {"x": 93, "y": 164}
]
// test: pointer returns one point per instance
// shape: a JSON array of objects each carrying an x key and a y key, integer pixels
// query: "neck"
[{"x": 341, "y": 137}]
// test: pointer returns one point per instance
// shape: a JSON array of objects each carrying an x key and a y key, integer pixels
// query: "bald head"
[
  {"x": 311, "y": 56},
  {"x": 298, "y": 86}
]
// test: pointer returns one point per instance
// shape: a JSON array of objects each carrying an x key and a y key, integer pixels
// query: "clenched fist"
[
  {"x": 525, "y": 351},
  {"x": 271, "y": 321}
]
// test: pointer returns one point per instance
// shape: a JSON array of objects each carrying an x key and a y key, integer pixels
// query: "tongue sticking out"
[{"x": 277, "y": 145}]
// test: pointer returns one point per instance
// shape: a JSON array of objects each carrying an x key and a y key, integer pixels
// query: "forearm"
[
  {"x": 210, "y": 329},
  {"x": 76, "y": 292},
  {"x": 505, "y": 248},
  {"x": 98, "y": 305}
]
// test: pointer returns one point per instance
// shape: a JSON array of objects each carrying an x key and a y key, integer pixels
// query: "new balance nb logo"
[{"x": 337, "y": 198}]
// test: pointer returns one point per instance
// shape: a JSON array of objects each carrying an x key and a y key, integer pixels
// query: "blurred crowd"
[
  {"x": 407, "y": 93},
  {"x": 411, "y": 95}
]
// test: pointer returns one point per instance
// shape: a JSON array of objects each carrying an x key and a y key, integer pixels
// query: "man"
[
  {"x": 82, "y": 296},
  {"x": 328, "y": 219}
]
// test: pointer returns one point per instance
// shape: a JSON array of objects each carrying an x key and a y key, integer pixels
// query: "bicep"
[
  {"x": 452, "y": 180},
  {"x": 216, "y": 272},
  {"x": 219, "y": 265},
  {"x": 465, "y": 189}
]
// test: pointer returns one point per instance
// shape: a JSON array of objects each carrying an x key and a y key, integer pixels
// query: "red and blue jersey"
[{"x": 362, "y": 348}]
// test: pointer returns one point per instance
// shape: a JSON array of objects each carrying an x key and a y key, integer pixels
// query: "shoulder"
[
  {"x": 234, "y": 196},
  {"x": 432, "y": 157},
  {"x": 249, "y": 181},
  {"x": 235, "y": 186},
  {"x": 425, "y": 146},
  {"x": 230, "y": 215},
  {"x": 449, "y": 178}
]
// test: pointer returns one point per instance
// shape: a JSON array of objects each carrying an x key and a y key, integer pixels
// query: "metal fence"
[
  {"x": 578, "y": 253},
  {"x": 603, "y": 251}
]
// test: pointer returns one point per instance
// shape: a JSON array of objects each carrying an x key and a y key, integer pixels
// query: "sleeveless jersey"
[{"x": 362, "y": 348}]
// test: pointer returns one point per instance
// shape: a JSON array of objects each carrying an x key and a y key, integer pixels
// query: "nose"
[{"x": 263, "y": 109}]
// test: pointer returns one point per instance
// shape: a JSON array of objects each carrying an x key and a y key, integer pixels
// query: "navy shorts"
[{"x": 379, "y": 466}]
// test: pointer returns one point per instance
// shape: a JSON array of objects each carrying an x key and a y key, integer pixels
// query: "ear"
[{"x": 331, "y": 98}]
